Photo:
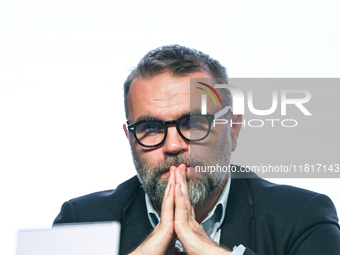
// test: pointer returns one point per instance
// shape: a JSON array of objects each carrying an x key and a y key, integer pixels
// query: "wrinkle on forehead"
[
  {"x": 164, "y": 95},
  {"x": 156, "y": 101},
  {"x": 171, "y": 98},
  {"x": 169, "y": 89}
]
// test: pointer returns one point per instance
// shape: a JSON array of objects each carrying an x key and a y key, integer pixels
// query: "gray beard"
[{"x": 198, "y": 188}]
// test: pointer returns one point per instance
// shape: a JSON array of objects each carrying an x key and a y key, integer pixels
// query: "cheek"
[
  {"x": 220, "y": 132},
  {"x": 151, "y": 156},
  {"x": 211, "y": 145}
]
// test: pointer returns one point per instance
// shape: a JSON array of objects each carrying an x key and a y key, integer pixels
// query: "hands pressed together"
[{"x": 178, "y": 222}]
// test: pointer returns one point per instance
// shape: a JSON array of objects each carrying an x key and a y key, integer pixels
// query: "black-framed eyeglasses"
[{"x": 191, "y": 127}]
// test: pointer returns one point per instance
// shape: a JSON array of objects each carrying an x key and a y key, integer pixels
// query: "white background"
[{"x": 62, "y": 68}]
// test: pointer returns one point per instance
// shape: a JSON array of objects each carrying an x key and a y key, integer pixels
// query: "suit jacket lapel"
[
  {"x": 238, "y": 226},
  {"x": 135, "y": 225}
]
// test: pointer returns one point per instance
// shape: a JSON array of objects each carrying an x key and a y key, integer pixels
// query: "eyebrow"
[
  {"x": 147, "y": 116},
  {"x": 140, "y": 118},
  {"x": 195, "y": 110}
]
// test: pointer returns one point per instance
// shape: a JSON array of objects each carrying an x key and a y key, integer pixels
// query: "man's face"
[{"x": 166, "y": 98}]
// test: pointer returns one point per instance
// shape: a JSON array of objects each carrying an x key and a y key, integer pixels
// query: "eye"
[
  {"x": 195, "y": 122},
  {"x": 151, "y": 127},
  {"x": 192, "y": 122}
]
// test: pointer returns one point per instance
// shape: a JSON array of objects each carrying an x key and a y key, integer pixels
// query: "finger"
[
  {"x": 167, "y": 211},
  {"x": 181, "y": 178},
  {"x": 182, "y": 210},
  {"x": 170, "y": 181}
]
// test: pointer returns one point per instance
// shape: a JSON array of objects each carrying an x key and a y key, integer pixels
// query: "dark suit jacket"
[{"x": 266, "y": 218}]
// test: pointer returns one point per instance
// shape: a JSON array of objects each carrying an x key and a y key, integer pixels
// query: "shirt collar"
[
  {"x": 152, "y": 213},
  {"x": 216, "y": 215}
]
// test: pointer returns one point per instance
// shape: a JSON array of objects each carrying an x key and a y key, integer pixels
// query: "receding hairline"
[
  {"x": 177, "y": 60},
  {"x": 128, "y": 91}
]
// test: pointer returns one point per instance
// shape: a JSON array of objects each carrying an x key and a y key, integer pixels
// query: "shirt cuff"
[{"x": 239, "y": 250}]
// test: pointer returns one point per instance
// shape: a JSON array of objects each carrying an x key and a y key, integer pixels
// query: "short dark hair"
[{"x": 178, "y": 61}]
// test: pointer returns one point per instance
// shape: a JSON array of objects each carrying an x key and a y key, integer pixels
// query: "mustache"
[{"x": 164, "y": 165}]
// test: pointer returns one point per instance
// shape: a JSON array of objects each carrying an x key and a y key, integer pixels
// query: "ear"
[
  {"x": 235, "y": 129},
  {"x": 126, "y": 131}
]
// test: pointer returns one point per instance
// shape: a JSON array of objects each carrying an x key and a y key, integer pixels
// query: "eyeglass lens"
[{"x": 193, "y": 127}]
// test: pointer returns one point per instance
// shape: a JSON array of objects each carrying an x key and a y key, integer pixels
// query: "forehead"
[{"x": 163, "y": 96}]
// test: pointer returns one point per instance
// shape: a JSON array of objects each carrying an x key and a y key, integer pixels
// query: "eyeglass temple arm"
[{"x": 223, "y": 111}]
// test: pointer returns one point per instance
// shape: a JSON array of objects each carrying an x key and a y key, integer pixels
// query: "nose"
[{"x": 174, "y": 143}]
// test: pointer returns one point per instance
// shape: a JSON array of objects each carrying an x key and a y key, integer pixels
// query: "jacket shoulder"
[
  {"x": 288, "y": 207},
  {"x": 105, "y": 205},
  {"x": 270, "y": 193}
]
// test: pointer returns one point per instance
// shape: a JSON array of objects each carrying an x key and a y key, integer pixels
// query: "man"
[{"x": 178, "y": 209}]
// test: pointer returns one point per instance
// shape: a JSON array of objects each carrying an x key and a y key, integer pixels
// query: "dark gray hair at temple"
[{"x": 178, "y": 61}]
